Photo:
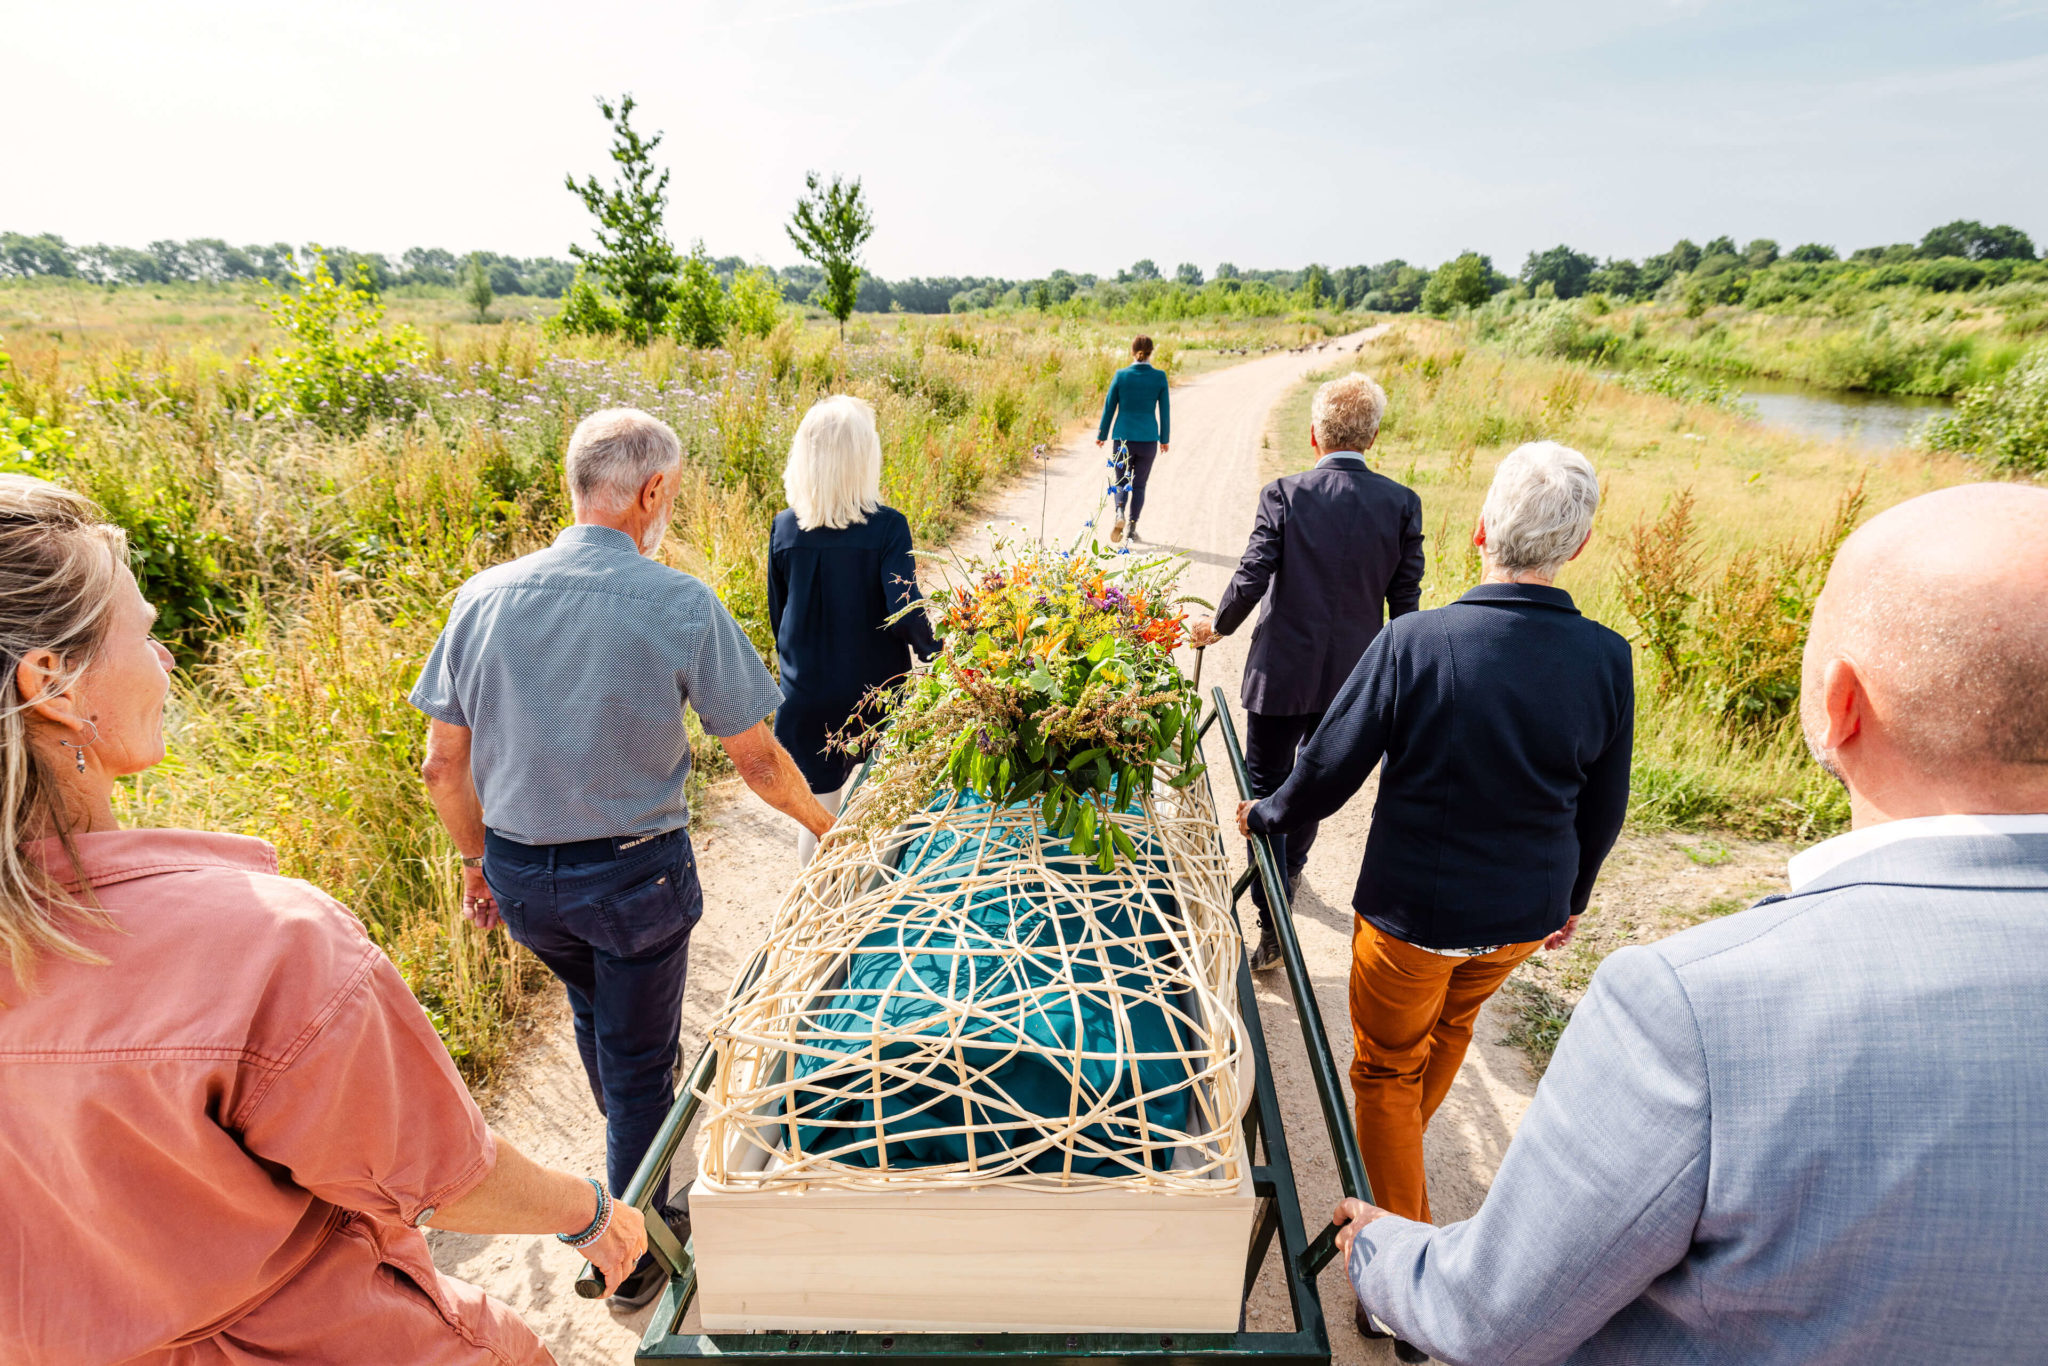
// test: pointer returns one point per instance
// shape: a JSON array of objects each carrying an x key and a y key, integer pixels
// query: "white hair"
[
  {"x": 1540, "y": 508},
  {"x": 612, "y": 455},
  {"x": 834, "y": 474},
  {"x": 1346, "y": 413}
]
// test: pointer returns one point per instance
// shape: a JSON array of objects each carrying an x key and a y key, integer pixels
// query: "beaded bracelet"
[{"x": 598, "y": 1225}]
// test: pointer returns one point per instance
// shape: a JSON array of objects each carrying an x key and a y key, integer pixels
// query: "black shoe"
[
  {"x": 1408, "y": 1351},
  {"x": 1267, "y": 954}
]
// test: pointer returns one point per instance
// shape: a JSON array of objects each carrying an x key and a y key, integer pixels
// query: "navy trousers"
[
  {"x": 1270, "y": 746},
  {"x": 1137, "y": 457},
  {"x": 614, "y": 924}
]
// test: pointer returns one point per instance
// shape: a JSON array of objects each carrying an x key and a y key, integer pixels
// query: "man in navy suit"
[{"x": 1329, "y": 546}]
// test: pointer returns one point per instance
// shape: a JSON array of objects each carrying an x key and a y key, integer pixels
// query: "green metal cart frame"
[{"x": 1277, "y": 1211}]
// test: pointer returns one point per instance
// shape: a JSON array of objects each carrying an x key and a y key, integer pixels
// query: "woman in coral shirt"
[{"x": 223, "y": 1117}]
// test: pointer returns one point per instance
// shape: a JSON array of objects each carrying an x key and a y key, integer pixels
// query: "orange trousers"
[{"x": 1411, "y": 1017}]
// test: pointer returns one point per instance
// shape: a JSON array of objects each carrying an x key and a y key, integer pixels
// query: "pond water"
[{"x": 1882, "y": 420}]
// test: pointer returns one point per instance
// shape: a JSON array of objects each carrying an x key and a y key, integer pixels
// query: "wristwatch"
[{"x": 476, "y": 862}]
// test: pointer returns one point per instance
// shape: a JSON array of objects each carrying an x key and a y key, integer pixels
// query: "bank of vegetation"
[{"x": 304, "y": 497}]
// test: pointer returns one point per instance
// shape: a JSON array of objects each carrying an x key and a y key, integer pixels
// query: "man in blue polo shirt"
[{"x": 557, "y": 758}]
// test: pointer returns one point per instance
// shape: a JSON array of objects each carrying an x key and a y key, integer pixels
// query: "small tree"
[
  {"x": 1188, "y": 273},
  {"x": 634, "y": 255},
  {"x": 1467, "y": 282},
  {"x": 585, "y": 312},
  {"x": 755, "y": 302},
  {"x": 829, "y": 226},
  {"x": 1566, "y": 271},
  {"x": 1315, "y": 286},
  {"x": 700, "y": 313},
  {"x": 480, "y": 295}
]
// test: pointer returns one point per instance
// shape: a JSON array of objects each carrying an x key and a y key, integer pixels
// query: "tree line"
[{"x": 1961, "y": 255}]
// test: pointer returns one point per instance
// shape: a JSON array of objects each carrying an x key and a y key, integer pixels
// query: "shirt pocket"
[{"x": 648, "y": 915}]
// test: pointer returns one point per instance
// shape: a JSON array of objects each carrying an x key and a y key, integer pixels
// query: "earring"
[{"x": 82, "y": 746}]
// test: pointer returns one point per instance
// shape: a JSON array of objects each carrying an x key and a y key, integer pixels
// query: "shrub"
[
  {"x": 585, "y": 312},
  {"x": 2003, "y": 423},
  {"x": 698, "y": 313},
  {"x": 1463, "y": 283},
  {"x": 28, "y": 444},
  {"x": 755, "y": 303},
  {"x": 341, "y": 370},
  {"x": 1733, "y": 641}
]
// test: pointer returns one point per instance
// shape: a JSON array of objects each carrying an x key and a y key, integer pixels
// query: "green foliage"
[
  {"x": 700, "y": 312},
  {"x": 1673, "y": 382},
  {"x": 479, "y": 288},
  {"x": 180, "y": 562},
  {"x": 1463, "y": 283},
  {"x": 1568, "y": 272},
  {"x": 829, "y": 226},
  {"x": 28, "y": 444},
  {"x": 755, "y": 303},
  {"x": 1315, "y": 286},
  {"x": 633, "y": 256},
  {"x": 1733, "y": 641},
  {"x": 340, "y": 369},
  {"x": 1968, "y": 238},
  {"x": 585, "y": 312},
  {"x": 2004, "y": 423}
]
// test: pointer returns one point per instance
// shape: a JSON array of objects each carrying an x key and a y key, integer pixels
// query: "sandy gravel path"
[{"x": 1201, "y": 501}]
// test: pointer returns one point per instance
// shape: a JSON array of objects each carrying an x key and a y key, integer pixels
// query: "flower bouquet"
[{"x": 1056, "y": 685}]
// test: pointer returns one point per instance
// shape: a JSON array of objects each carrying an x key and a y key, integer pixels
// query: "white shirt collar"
[
  {"x": 1810, "y": 865},
  {"x": 1346, "y": 456}
]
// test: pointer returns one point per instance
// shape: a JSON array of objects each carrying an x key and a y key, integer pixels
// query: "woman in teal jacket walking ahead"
[{"x": 1137, "y": 416}]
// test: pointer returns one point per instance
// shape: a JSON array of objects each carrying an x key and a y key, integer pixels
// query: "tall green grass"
[
  {"x": 308, "y": 559},
  {"x": 1885, "y": 341}
]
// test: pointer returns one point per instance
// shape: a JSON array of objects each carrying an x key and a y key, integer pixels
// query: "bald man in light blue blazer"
[{"x": 1815, "y": 1131}]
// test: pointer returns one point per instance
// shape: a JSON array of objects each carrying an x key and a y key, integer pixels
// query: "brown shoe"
[{"x": 1116, "y": 531}]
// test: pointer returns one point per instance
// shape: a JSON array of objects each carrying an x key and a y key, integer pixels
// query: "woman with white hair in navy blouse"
[{"x": 839, "y": 571}]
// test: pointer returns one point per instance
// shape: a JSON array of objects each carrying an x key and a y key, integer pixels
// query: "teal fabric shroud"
[{"x": 998, "y": 953}]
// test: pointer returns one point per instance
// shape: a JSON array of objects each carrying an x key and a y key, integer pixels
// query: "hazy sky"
[{"x": 1012, "y": 138}]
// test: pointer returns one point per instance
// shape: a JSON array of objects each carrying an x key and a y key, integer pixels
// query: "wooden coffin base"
[{"x": 993, "y": 1259}]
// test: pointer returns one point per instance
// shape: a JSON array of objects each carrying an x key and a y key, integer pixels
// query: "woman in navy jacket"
[
  {"x": 1137, "y": 414},
  {"x": 839, "y": 568}
]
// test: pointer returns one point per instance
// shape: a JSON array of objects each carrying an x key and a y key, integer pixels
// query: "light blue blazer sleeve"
[{"x": 1598, "y": 1196}]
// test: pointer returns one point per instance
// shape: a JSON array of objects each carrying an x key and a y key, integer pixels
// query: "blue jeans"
[{"x": 616, "y": 930}]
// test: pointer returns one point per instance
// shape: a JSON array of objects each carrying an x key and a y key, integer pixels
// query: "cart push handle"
[{"x": 1329, "y": 1082}]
